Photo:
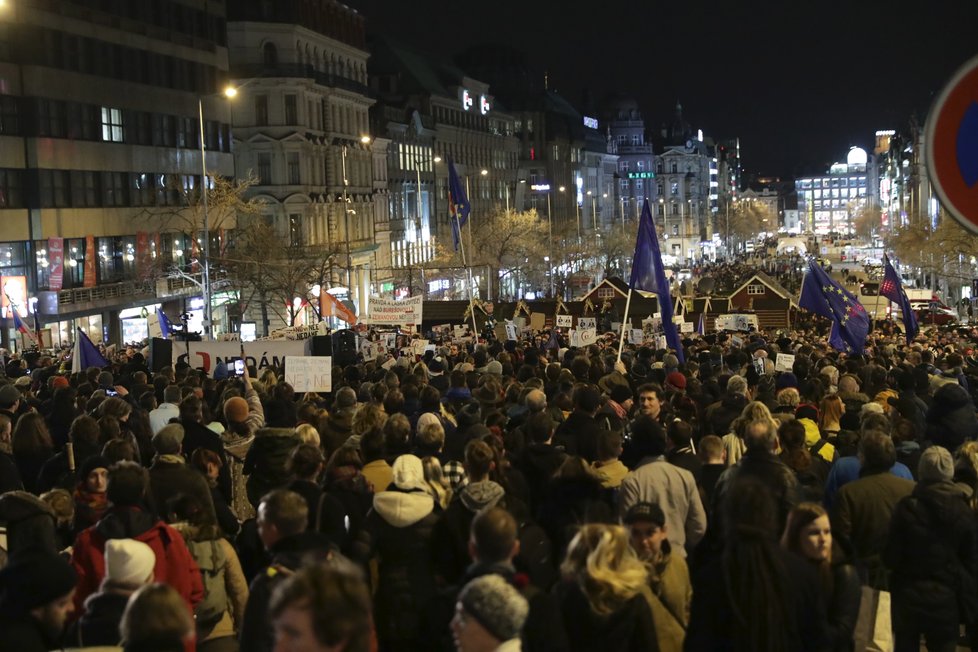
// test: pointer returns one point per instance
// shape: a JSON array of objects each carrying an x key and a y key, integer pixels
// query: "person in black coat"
[
  {"x": 932, "y": 552},
  {"x": 326, "y": 513},
  {"x": 35, "y": 600},
  {"x": 578, "y": 435},
  {"x": 809, "y": 535},
  {"x": 539, "y": 459},
  {"x": 951, "y": 417},
  {"x": 282, "y": 519},
  {"x": 729, "y": 589},
  {"x": 170, "y": 476},
  {"x": 197, "y": 435},
  {"x": 398, "y": 532},
  {"x": 10, "y": 479},
  {"x": 575, "y": 496}
]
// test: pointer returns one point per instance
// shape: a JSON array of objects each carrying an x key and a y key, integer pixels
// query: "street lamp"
[
  {"x": 229, "y": 92},
  {"x": 364, "y": 139}
]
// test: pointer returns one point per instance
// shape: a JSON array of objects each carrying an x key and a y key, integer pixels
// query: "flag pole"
[
  {"x": 468, "y": 270},
  {"x": 624, "y": 323}
]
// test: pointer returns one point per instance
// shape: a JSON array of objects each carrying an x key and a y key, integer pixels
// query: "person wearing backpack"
[{"x": 219, "y": 616}]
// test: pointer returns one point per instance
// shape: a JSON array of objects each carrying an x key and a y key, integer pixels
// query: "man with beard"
[{"x": 36, "y": 590}]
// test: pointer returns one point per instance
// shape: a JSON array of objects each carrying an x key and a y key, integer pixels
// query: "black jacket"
[
  {"x": 630, "y": 628},
  {"x": 197, "y": 435},
  {"x": 9, "y": 474},
  {"x": 539, "y": 463},
  {"x": 951, "y": 418},
  {"x": 325, "y": 510},
  {"x": 398, "y": 531},
  {"x": 289, "y": 553},
  {"x": 99, "y": 625},
  {"x": 578, "y": 435},
  {"x": 932, "y": 552},
  {"x": 170, "y": 479}
]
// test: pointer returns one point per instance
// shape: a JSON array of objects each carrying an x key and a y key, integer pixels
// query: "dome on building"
[{"x": 857, "y": 157}]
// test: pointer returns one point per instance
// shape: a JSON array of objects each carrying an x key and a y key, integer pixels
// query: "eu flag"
[
  {"x": 823, "y": 296},
  {"x": 649, "y": 275},
  {"x": 458, "y": 204},
  {"x": 892, "y": 289}
]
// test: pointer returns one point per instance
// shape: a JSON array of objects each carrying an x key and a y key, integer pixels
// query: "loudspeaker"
[
  {"x": 344, "y": 347},
  {"x": 160, "y": 353},
  {"x": 322, "y": 345}
]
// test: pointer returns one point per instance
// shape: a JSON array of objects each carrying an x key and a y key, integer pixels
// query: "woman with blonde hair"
[
  {"x": 603, "y": 592},
  {"x": 156, "y": 618},
  {"x": 733, "y": 442},
  {"x": 808, "y": 534}
]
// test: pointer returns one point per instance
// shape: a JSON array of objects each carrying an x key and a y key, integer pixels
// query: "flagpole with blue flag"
[
  {"x": 164, "y": 321},
  {"x": 85, "y": 354},
  {"x": 458, "y": 211},
  {"x": 648, "y": 274},
  {"x": 892, "y": 289},
  {"x": 823, "y": 296}
]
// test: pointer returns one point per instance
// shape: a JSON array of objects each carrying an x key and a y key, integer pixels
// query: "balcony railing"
[
  {"x": 300, "y": 70},
  {"x": 105, "y": 292}
]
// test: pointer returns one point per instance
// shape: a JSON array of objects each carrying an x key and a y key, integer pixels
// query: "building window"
[
  {"x": 295, "y": 230},
  {"x": 640, "y": 165},
  {"x": 755, "y": 289},
  {"x": 54, "y": 188},
  {"x": 111, "y": 125},
  {"x": 84, "y": 188},
  {"x": 292, "y": 162},
  {"x": 675, "y": 209},
  {"x": 622, "y": 139},
  {"x": 261, "y": 110},
  {"x": 675, "y": 167},
  {"x": 674, "y": 188},
  {"x": 675, "y": 229},
  {"x": 659, "y": 190},
  {"x": 265, "y": 168},
  {"x": 270, "y": 53},
  {"x": 556, "y": 153},
  {"x": 638, "y": 184},
  {"x": 291, "y": 114},
  {"x": 10, "y": 189},
  {"x": 636, "y": 139},
  {"x": 623, "y": 166}
]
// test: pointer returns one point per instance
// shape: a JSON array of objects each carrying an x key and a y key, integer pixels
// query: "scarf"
[
  {"x": 618, "y": 409},
  {"x": 170, "y": 459},
  {"x": 89, "y": 506}
]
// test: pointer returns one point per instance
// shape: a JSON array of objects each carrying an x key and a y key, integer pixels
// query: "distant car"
[
  {"x": 935, "y": 315},
  {"x": 685, "y": 274}
]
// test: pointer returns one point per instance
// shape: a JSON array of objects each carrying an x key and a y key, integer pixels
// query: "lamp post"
[
  {"x": 550, "y": 230},
  {"x": 229, "y": 93},
  {"x": 346, "y": 221}
]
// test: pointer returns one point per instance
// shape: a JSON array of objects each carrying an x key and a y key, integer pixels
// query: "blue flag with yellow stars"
[{"x": 823, "y": 296}]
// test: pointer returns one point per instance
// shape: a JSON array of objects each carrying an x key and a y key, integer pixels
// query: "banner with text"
[
  {"x": 56, "y": 261},
  {"x": 264, "y": 354},
  {"x": 387, "y": 312},
  {"x": 91, "y": 257}
]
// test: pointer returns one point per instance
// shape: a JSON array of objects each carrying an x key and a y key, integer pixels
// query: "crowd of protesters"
[{"x": 499, "y": 496}]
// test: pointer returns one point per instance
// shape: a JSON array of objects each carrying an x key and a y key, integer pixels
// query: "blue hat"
[{"x": 220, "y": 370}]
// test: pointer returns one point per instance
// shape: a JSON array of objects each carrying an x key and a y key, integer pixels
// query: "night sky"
[{"x": 799, "y": 82}]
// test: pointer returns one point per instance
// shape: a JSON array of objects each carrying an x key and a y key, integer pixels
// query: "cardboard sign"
[
  {"x": 736, "y": 341},
  {"x": 418, "y": 346},
  {"x": 309, "y": 373},
  {"x": 686, "y": 327},
  {"x": 587, "y": 336},
  {"x": 388, "y": 364},
  {"x": 395, "y": 313},
  {"x": 784, "y": 362},
  {"x": 616, "y": 327},
  {"x": 636, "y": 336},
  {"x": 459, "y": 332},
  {"x": 537, "y": 321},
  {"x": 565, "y": 321},
  {"x": 662, "y": 343},
  {"x": 511, "y": 332},
  {"x": 575, "y": 338},
  {"x": 587, "y": 322}
]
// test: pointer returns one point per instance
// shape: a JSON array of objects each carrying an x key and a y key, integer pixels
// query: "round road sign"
[{"x": 951, "y": 145}]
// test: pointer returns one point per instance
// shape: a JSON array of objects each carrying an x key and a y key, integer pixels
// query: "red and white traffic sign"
[{"x": 951, "y": 145}]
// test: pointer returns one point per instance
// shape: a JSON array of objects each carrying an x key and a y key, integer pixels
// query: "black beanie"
[{"x": 35, "y": 578}]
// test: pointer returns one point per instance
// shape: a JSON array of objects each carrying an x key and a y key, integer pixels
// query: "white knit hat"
[
  {"x": 128, "y": 561},
  {"x": 409, "y": 473}
]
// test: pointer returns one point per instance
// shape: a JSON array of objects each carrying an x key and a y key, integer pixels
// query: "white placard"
[
  {"x": 395, "y": 313},
  {"x": 565, "y": 321},
  {"x": 459, "y": 332},
  {"x": 686, "y": 327},
  {"x": 736, "y": 341},
  {"x": 663, "y": 344},
  {"x": 635, "y": 336},
  {"x": 587, "y": 322},
  {"x": 575, "y": 338},
  {"x": 309, "y": 373},
  {"x": 368, "y": 351},
  {"x": 784, "y": 362},
  {"x": 511, "y": 331},
  {"x": 587, "y": 336},
  {"x": 616, "y": 327},
  {"x": 418, "y": 346},
  {"x": 153, "y": 325},
  {"x": 389, "y": 364}
]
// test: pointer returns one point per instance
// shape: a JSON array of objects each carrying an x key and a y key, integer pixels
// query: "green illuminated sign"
[{"x": 641, "y": 175}]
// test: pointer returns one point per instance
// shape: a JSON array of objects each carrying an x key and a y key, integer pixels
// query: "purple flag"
[{"x": 649, "y": 275}]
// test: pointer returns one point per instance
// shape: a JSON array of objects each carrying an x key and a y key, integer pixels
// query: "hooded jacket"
[
  {"x": 174, "y": 564},
  {"x": 398, "y": 532},
  {"x": 721, "y": 414}
]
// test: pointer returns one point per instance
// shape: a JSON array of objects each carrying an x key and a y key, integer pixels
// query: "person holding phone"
[{"x": 244, "y": 415}]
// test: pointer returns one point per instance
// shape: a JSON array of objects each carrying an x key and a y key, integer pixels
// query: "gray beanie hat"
[
  {"x": 935, "y": 465},
  {"x": 498, "y": 607}
]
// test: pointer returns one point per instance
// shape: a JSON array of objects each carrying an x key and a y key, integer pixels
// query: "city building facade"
[
  {"x": 100, "y": 159},
  {"x": 828, "y": 203},
  {"x": 302, "y": 134}
]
